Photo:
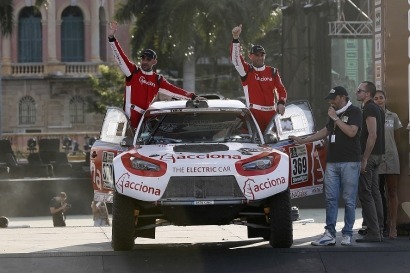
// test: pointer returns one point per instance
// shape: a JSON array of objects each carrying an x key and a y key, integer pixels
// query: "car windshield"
[{"x": 196, "y": 127}]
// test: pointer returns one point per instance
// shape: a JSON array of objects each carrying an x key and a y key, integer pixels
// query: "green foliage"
[
  {"x": 6, "y": 17},
  {"x": 108, "y": 89},
  {"x": 203, "y": 27}
]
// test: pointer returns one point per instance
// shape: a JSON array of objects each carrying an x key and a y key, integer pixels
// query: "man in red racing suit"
[
  {"x": 264, "y": 92},
  {"x": 142, "y": 83}
]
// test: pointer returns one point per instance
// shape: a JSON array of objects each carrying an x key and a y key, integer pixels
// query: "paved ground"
[{"x": 80, "y": 247}]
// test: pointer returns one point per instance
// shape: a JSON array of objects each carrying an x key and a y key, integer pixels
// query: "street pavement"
[{"x": 32, "y": 245}]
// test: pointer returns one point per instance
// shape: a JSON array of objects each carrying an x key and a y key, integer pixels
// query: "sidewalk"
[
  {"x": 80, "y": 247},
  {"x": 41, "y": 236}
]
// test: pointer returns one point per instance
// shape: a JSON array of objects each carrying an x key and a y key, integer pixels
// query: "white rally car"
[{"x": 204, "y": 163}]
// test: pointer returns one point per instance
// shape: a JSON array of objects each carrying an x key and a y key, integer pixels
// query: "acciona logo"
[
  {"x": 263, "y": 79},
  {"x": 142, "y": 80}
]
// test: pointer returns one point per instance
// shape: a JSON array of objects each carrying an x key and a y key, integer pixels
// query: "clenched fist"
[{"x": 236, "y": 31}]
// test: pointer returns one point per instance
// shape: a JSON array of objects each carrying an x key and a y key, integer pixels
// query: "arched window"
[
  {"x": 72, "y": 35},
  {"x": 77, "y": 106},
  {"x": 29, "y": 36},
  {"x": 27, "y": 111}
]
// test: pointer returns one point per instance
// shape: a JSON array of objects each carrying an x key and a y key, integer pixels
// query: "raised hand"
[
  {"x": 113, "y": 28},
  {"x": 236, "y": 31}
]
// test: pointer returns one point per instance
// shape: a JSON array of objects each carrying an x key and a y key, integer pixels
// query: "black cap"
[
  {"x": 257, "y": 49},
  {"x": 336, "y": 91},
  {"x": 149, "y": 53}
]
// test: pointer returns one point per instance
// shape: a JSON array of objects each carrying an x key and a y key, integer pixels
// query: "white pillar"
[
  {"x": 51, "y": 33},
  {"x": 95, "y": 31}
]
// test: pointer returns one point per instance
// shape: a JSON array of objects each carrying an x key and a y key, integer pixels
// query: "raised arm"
[
  {"x": 126, "y": 66},
  {"x": 236, "y": 56}
]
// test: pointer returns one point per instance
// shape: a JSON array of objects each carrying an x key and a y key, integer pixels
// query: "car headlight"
[
  {"x": 139, "y": 164},
  {"x": 260, "y": 164}
]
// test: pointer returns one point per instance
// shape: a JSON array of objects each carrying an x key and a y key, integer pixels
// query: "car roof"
[{"x": 182, "y": 104}]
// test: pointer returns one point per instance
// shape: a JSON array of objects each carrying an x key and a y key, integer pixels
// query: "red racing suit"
[
  {"x": 142, "y": 87},
  {"x": 262, "y": 86}
]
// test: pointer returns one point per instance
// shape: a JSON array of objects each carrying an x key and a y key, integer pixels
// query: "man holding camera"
[{"x": 58, "y": 206}]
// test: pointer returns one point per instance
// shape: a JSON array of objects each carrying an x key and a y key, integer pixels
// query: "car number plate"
[{"x": 203, "y": 202}]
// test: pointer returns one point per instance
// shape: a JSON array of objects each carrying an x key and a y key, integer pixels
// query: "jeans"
[
  {"x": 341, "y": 177},
  {"x": 369, "y": 196}
]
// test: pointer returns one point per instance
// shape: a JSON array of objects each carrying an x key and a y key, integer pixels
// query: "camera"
[{"x": 68, "y": 206}]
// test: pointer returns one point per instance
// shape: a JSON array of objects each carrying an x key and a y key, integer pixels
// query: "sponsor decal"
[
  {"x": 263, "y": 79},
  {"x": 124, "y": 183},
  {"x": 307, "y": 191},
  {"x": 107, "y": 169},
  {"x": 247, "y": 189},
  {"x": 142, "y": 80},
  {"x": 251, "y": 187},
  {"x": 173, "y": 158},
  {"x": 299, "y": 164},
  {"x": 211, "y": 169},
  {"x": 269, "y": 184}
]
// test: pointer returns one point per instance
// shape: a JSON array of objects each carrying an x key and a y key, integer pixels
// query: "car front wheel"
[
  {"x": 123, "y": 223},
  {"x": 280, "y": 220}
]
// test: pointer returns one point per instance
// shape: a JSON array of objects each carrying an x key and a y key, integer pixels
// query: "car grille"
[
  {"x": 200, "y": 148},
  {"x": 202, "y": 187}
]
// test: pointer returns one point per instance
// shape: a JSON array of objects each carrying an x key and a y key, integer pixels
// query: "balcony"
[{"x": 42, "y": 70}]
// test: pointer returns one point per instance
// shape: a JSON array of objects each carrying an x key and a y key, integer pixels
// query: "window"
[
  {"x": 77, "y": 109},
  {"x": 29, "y": 36},
  {"x": 72, "y": 35},
  {"x": 27, "y": 111}
]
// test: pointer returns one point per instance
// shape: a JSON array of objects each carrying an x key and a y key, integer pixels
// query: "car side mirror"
[{"x": 127, "y": 142}]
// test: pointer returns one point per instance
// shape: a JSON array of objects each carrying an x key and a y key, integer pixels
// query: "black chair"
[
  {"x": 37, "y": 168},
  {"x": 49, "y": 150},
  {"x": 8, "y": 159}
]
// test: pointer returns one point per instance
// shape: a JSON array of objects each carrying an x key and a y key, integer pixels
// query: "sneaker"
[
  {"x": 327, "y": 239},
  {"x": 363, "y": 231},
  {"x": 346, "y": 240},
  {"x": 369, "y": 239}
]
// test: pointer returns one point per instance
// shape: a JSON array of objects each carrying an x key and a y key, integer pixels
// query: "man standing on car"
[
  {"x": 343, "y": 163},
  {"x": 58, "y": 206},
  {"x": 142, "y": 83},
  {"x": 372, "y": 147},
  {"x": 264, "y": 92}
]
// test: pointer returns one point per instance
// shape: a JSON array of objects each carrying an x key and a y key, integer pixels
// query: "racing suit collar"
[
  {"x": 259, "y": 68},
  {"x": 147, "y": 72}
]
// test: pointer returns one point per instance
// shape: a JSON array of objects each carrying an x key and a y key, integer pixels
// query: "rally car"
[{"x": 204, "y": 163}]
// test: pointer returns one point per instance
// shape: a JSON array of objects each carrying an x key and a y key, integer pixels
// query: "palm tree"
[
  {"x": 6, "y": 17},
  {"x": 187, "y": 30},
  {"x": 7, "y": 12}
]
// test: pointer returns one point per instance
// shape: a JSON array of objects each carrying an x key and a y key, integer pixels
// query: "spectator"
[
  {"x": 389, "y": 168},
  {"x": 372, "y": 148},
  {"x": 58, "y": 207},
  {"x": 343, "y": 163},
  {"x": 264, "y": 91},
  {"x": 142, "y": 83},
  {"x": 100, "y": 214}
]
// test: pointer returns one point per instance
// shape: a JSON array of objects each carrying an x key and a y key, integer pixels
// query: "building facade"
[{"x": 46, "y": 63}]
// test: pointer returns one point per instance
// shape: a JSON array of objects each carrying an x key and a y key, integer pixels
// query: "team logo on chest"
[{"x": 142, "y": 80}]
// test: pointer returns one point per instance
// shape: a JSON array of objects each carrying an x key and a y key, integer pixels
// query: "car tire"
[
  {"x": 123, "y": 223},
  {"x": 281, "y": 229}
]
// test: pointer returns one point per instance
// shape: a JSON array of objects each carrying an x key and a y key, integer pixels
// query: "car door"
[
  {"x": 115, "y": 130},
  {"x": 307, "y": 162}
]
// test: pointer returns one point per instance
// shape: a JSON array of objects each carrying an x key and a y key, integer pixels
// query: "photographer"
[{"x": 58, "y": 206}]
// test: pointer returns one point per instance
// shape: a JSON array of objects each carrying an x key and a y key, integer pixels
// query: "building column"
[
  {"x": 6, "y": 56},
  {"x": 51, "y": 33},
  {"x": 95, "y": 31}
]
